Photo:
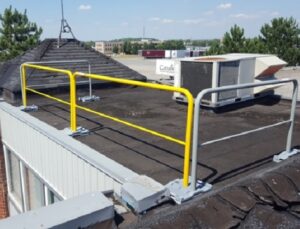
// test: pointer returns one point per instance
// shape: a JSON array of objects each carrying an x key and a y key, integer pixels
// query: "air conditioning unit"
[{"x": 196, "y": 74}]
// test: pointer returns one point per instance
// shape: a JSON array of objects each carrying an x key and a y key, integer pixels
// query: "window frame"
[{"x": 24, "y": 205}]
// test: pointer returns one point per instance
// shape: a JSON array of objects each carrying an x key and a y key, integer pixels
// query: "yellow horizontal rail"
[
  {"x": 46, "y": 68},
  {"x": 73, "y": 116},
  {"x": 110, "y": 117},
  {"x": 73, "y": 106},
  {"x": 189, "y": 121},
  {"x": 133, "y": 83},
  {"x": 48, "y": 96},
  {"x": 133, "y": 125}
]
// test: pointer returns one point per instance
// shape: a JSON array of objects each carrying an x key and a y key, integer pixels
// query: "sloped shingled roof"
[
  {"x": 268, "y": 199},
  {"x": 70, "y": 49}
]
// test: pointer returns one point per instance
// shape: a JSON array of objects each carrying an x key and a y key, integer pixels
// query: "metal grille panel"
[
  {"x": 228, "y": 75},
  {"x": 196, "y": 76}
]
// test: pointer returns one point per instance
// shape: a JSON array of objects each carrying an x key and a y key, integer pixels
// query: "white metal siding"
[{"x": 69, "y": 171}]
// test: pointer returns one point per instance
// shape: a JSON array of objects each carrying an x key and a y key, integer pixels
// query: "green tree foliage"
[
  {"x": 171, "y": 45},
  {"x": 127, "y": 47},
  {"x": 149, "y": 46},
  {"x": 254, "y": 45},
  {"x": 203, "y": 43},
  {"x": 215, "y": 48},
  {"x": 17, "y": 33},
  {"x": 131, "y": 47},
  {"x": 89, "y": 44},
  {"x": 281, "y": 37},
  {"x": 115, "y": 50},
  {"x": 135, "y": 48},
  {"x": 234, "y": 41}
]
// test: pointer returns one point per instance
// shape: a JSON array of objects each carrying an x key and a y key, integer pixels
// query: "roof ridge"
[{"x": 70, "y": 49}]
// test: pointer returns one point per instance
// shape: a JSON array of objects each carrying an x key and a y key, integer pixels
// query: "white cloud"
[
  {"x": 161, "y": 20},
  {"x": 167, "y": 21},
  {"x": 244, "y": 16},
  {"x": 85, "y": 7},
  {"x": 154, "y": 19},
  {"x": 193, "y": 21},
  {"x": 125, "y": 23},
  {"x": 225, "y": 6},
  {"x": 208, "y": 13},
  {"x": 274, "y": 13}
]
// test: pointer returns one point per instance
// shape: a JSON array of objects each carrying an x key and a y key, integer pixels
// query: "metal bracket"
[
  {"x": 285, "y": 155},
  {"x": 80, "y": 131},
  {"x": 88, "y": 98},
  {"x": 180, "y": 194},
  {"x": 30, "y": 108}
]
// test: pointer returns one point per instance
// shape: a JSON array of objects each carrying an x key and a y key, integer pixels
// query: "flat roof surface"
[{"x": 220, "y": 163}]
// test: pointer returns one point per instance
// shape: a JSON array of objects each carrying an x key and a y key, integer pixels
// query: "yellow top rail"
[
  {"x": 189, "y": 121},
  {"x": 73, "y": 113},
  {"x": 57, "y": 70}
]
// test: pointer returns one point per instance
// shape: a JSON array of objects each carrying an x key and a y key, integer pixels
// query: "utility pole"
[
  {"x": 144, "y": 31},
  {"x": 64, "y": 26}
]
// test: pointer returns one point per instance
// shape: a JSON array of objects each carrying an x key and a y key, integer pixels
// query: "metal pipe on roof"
[
  {"x": 57, "y": 62},
  {"x": 234, "y": 87}
]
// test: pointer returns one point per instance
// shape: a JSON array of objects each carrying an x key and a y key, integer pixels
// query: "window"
[
  {"x": 15, "y": 186},
  {"x": 25, "y": 187},
  {"x": 52, "y": 198},
  {"x": 35, "y": 191}
]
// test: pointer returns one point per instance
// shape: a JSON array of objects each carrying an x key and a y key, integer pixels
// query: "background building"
[{"x": 108, "y": 47}]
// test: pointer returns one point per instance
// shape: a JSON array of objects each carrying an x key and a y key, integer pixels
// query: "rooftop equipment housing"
[{"x": 196, "y": 74}]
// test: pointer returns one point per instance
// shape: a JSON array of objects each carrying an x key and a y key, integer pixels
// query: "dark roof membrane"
[{"x": 70, "y": 49}]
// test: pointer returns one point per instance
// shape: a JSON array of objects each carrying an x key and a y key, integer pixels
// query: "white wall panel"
[{"x": 66, "y": 165}]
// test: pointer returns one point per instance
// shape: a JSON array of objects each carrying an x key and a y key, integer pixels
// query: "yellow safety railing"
[
  {"x": 189, "y": 121},
  {"x": 73, "y": 105},
  {"x": 72, "y": 102}
]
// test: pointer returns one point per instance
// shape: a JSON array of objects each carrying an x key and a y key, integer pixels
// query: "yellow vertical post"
[
  {"x": 23, "y": 84},
  {"x": 188, "y": 137},
  {"x": 73, "y": 115}
]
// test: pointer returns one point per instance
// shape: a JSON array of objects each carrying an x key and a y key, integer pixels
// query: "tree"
[
  {"x": 17, "y": 33},
  {"x": 127, "y": 47},
  {"x": 234, "y": 41},
  {"x": 254, "y": 45},
  {"x": 281, "y": 37},
  {"x": 171, "y": 45},
  {"x": 115, "y": 50},
  {"x": 90, "y": 44},
  {"x": 215, "y": 48},
  {"x": 135, "y": 48},
  {"x": 149, "y": 46}
]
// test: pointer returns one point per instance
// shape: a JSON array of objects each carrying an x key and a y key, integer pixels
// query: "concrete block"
[
  {"x": 78, "y": 212},
  {"x": 141, "y": 193}
]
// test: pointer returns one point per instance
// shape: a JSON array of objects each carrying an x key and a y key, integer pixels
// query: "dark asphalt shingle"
[
  {"x": 70, "y": 49},
  {"x": 249, "y": 204}
]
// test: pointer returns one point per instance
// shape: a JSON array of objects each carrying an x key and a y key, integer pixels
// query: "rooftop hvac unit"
[{"x": 196, "y": 74}]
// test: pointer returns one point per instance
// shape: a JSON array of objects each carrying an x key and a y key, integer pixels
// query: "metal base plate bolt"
[
  {"x": 180, "y": 194},
  {"x": 86, "y": 99},
  {"x": 30, "y": 108},
  {"x": 79, "y": 132},
  {"x": 285, "y": 155}
]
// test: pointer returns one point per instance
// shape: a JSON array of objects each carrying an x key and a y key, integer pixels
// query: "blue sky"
[{"x": 162, "y": 19}]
